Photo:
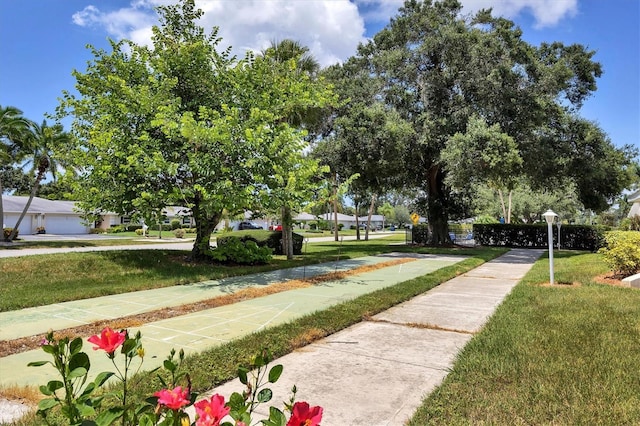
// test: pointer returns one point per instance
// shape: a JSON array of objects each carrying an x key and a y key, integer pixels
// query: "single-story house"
[
  {"x": 377, "y": 220},
  {"x": 55, "y": 217},
  {"x": 634, "y": 199}
]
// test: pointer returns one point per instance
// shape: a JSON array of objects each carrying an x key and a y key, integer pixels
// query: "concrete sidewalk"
[{"x": 377, "y": 372}]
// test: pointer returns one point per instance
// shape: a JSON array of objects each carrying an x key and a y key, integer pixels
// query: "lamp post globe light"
[{"x": 550, "y": 216}]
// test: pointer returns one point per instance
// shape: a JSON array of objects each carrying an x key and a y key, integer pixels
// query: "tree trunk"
[
  {"x": 34, "y": 190},
  {"x": 205, "y": 225},
  {"x": 2, "y": 211},
  {"x": 504, "y": 209},
  {"x": 437, "y": 206},
  {"x": 287, "y": 233},
  {"x": 509, "y": 211},
  {"x": 335, "y": 205},
  {"x": 374, "y": 197},
  {"x": 355, "y": 205}
]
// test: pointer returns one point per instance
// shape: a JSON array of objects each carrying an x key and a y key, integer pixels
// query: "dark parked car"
[{"x": 248, "y": 225}]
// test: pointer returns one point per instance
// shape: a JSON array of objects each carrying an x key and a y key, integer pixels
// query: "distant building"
[{"x": 634, "y": 199}]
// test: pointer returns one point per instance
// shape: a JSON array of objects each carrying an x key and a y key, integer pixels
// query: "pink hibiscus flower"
[
  {"x": 210, "y": 412},
  {"x": 108, "y": 340},
  {"x": 303, "y": 415},
  {"x": 173, "y": 399}
]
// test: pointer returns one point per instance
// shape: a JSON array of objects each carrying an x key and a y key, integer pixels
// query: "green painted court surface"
[{"x": 200, "y": 330}]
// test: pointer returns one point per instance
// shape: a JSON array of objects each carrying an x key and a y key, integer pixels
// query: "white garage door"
[
  {"x": 25, "y": 226},
  {"x": 64, "y": 225}
]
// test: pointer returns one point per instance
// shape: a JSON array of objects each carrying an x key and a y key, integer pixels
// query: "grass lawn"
[
  {"x": 565, "y": 355},
  {"x": 45, "y": 279}
]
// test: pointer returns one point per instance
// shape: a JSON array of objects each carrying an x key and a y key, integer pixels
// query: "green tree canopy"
[
  {"x": 182, "y": 122},
  {"x": 439, "y": 69}
]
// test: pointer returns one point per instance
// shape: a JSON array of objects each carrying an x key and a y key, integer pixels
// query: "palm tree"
[
  {"x": 288, "y": 49},
  {"x": 42, "y": 141},
  {"x": 13, "y": 131}
]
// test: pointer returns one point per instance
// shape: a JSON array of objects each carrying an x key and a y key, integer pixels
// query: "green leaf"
[
  {"x": 87, "y": 390},
  {"x": 48, "y": 349},
  {"x": 47, "y": 404},
  {"x": 236, "y": 402},
  {"x": 37, "y": 363},
  {"x": 109, "y": 416},
  {"x": 54, "y": 385},
  {"x": 169, "y": 365},
  {"x": 129, "y": 345},
  {"x": 85, "y": 410},
  {"x": 102, "y": 377},
  {"x": 45, "y": 390},
  {"x": 79, "y": 360},
  {"x": 78, "y": 372},
  {"x": 242, "y": 375},
  {"x": 75, "y": 346},
  {"x": 275, "y": 372},
  {"x": 265, "y": 395},
  {"x": 276, "y": 418}
]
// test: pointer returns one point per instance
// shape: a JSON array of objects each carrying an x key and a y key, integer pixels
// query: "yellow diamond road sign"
[{"x": 415, "y": 217}]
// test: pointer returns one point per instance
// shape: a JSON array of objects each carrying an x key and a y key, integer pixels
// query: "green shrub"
[
  {"x": 116, "y": 229},
  {"x": 486, "y": 219},
  {"x": 97, "y": 231},
  {"x": 132, "y": 228},
  {"x": 176, "y": 224},
  {"x": 190, "y": 230},
  {"x": 572, "y": 237},
  {"x": 7, "y": 231},
  {"x": 234, "y": 250},
  {"x": 139, "y": 231},
  {"x": 622, "y": 252},
  {"x": 179, "y": 233},
  {"x": 264, "y": 238}
]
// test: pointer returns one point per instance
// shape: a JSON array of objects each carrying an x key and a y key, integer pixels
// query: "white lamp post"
[{"x": 550, "y": 216}]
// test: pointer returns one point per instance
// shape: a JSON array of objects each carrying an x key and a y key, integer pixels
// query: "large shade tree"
[
  {"x": 181, "y": 122},
  {"x": 440, "y": 68}
]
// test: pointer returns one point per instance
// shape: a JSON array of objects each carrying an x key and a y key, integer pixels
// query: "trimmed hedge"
[
  {"x": 263, "y": 238},
  {"x": 572, "y": 237}
]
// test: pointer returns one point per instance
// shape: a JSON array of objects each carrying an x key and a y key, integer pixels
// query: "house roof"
[
  {"x": 304, "y": 216},
  {"x": 634, "y": 197},
  {"x": 16, "y": 203},
  {"x": 341, "y": 217},
  {"x": 374, "y": 217}
]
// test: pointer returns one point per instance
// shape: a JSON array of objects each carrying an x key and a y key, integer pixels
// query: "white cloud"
[
  {"x": 547, "y": 13},
  {"x": 330, "y": 28}
]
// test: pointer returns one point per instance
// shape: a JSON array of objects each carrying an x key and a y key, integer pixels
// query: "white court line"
[{"x": 275, "y": 316}]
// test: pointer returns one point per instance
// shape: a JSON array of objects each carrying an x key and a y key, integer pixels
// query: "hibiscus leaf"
[
  {"x": 37, "y": 363},
  {"x": 47, "y": 404},
  {"x": 242, "y": 375},
  {"x": 75, "y": 346},
  {"x": 78, "y": 360},
  {"x": 265, "y": 395},
  {"x": 276, "y": 418},
  {"x": 275, "y": 372},
  {"x": 109, "y": 416},
  {"x": 78, "y": 372},
  {"x": 102, "y": 377},
  {"x": 54, "y": 385}
]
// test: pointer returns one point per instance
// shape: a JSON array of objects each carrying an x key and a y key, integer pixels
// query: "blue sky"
[{"x": 41, "y": 41}]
